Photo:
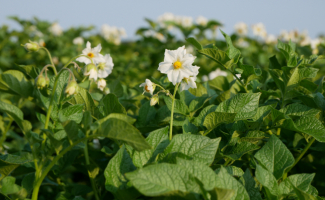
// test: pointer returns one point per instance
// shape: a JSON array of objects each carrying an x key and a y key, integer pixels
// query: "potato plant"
[{"x": 140, "y": 122}]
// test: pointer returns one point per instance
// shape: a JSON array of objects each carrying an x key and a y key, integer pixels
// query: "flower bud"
[
  {"x": 107, "y": 90},
  {"x": 154, "y": 100},
  {"x": 40, "y": 82},
  {"x": 101, "y": 84},
  {"x": 31, "y": 46},
  {"x": 72, "y": 88},
  {"x": 47, "y": 81},
  {"x": 91, "y": 71}
]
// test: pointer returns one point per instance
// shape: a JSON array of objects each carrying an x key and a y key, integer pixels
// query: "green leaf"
[
  {"x": 179, "y": 106},
  {"x": 118, "y": 129},
  {"x": 221, "y": 194},
  {"x": 74, "y": 113},
  {"x": 226, "y": 181},
  {"x": 189, "y": 127},
  {"x": 194, "y": 42},
  {"x": 83, "y": 97},
  {"x": 147, "y": 114},
  {"x": 199, "y": 120},
  {"x": 296, "y": 109},
  {"x": 268, "y": 181},
  {"x": 158, "y": 140},
  {"x": 218, "y": 56},
  {"x": 116, "y": 88},
  {"x": 198, "y": 103},
  {"x": 275, "y": 157},
  {"x": 220, "y": 83},
  {"x": 14, "y": 81},
  {"x": 114, "y": 173},
  {"x": 241, "y": 148},
  {"x": 71, "y": 128},
  {"x": 251, "y": 186},
  {"x": 232, "y": 170},
  {"x": 28, "y": 182},
  {"x": 15, "y": 113},
  {"x": 109, "y": 104},
  {"x": 9, "y": 163},
  {"x": 199, "y": 91},
  {"x": 162, "y": 179},
  {"x": 300, "y": 181},
  {"x": 30, "y": 70},
  {"x": 214, "y": 119},
  {"x": 200, "y": 148},
  {"x": 274, "y": 63},
  {"x": 232, "y": 51},
  {"x": 303, "y": 195},
  {"x": 245, "y": 105}
]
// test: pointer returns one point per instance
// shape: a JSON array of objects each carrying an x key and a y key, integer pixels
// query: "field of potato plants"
[{"x": 184, "y": 110}]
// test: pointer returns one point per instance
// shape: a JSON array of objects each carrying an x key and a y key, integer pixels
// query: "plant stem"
[
  {"x": 172, "y": 113},
  {"x": 4, "y": 134},
  {"x": 92, "y": 181},
  {"x": 50, "y": 57},
  {"x": 49, "y": 167},
  {"x": 299, "y": 157}
]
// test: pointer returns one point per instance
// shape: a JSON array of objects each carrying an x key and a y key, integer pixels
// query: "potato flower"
[
  {"x": 259, "y": 30},
  {"x": 188, "y": 83},
  {"x": 178, "y": 65},
  {"x": 91, "y": 71},
  {"x": 78, "y": 41},
  {"x": 200, "y": 20},
  {"x": 56, "y": 29},
  {"x": 101, "y": 84},
  {"x": 148, "y": 86},
  {"x": 92, "y": 53},
  {"x": 105, "y": 67},
  {"x": 241, "y": 28}
]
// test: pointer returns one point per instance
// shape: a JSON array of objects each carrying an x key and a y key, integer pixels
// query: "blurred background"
[{"x": 276, "y": 15}]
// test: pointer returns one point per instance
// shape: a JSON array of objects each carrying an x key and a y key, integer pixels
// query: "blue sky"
[{"x": 275, "y": 14}]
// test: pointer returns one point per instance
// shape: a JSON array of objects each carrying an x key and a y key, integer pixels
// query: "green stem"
[
  {"x": 300, "y": 156},
  {"x": 53, "y": 162},
  {"x": 50, "y": 57},
  {"x": 92, "y": 181},
  {"x": 72, "y": 59},
  {"x": 172, "y": 113},
  {"x": 227, "y": 162},
  {"x": 4, "y": 134}
]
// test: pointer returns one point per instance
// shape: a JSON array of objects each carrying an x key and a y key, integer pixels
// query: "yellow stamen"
[
  {"x": 91, "y": 55},
  {"x": 146, "y": 88},
  {"x": 177, "y": 64}
]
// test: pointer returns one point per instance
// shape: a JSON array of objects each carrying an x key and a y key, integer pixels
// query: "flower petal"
[{"x": 164, "y": 67}]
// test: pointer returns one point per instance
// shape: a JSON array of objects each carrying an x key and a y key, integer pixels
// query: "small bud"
[
  {"x": 154, "y": 100},
  {"x": 40, "y": 82},
  {"x": 72, "y": 88},
  {"x": 101, "y": 84},
  {"x": 107, "y": 90},
  {"x": 167, "y": 92},
  {"x": 31, "y": 46}
]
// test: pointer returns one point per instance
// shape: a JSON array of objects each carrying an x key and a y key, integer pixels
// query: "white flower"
[
  {"x": 305, "y": 41},
  {"x": 160, "y": 37},
  {"x": 178, "y": 65},
  {"x": 148, "y": 86},
  {"x": 55, "y": 29},
  {"x": 92, "y": 53},
  {"x": 186, "y": 21},
  {"x": 91, "y": 71},
  {"x": 101, "y": 84},
  {"x": 242, "y": 43},
  {"x": 216, "y": 73},
  {"x": 188, "y": 83},
  {"x": 200, "y": 20},
  {"x": 284, "y": 35},
  {"x": 166, "y": 17},
  {"x": 205, "y": 78},
  {"x": 314, "y": 43},
  {"x": 259, "y": 30},
  {"x": 78, "y": 41},
  {"x": 112, "y": 33},
  {"x": 270, "y": 39},
  {"x": 241, "y": 28},
  {"x": 105, "y": 67}
]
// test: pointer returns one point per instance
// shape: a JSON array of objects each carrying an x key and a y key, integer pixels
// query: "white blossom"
[
  {"x": 101, "y": 84},
  {"x": 216, "y": 73},
  {"x": 92, "y": 53},
  {"x": 241, "y": 28},
  {"x": 178, "y": 65},
  {"x": 105, "y": 67},
  {"x": 56, "y": 29},
  {"x": 148, "y": 86},
  {"x": 270, "y": 39},
  {"x": 188, "y": 83},
  {"x": 200, "y": 20},
  {"x": 259, "y": 30},
  {"x": 78, "y": 41}
]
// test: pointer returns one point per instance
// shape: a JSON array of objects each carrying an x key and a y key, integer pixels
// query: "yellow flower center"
[
  {"x": 91, "y": 55},
  {"x": 146, "y": 88},
  {"x": 177, "y": 64}
]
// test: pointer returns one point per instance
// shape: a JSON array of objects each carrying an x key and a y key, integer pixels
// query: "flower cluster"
[
  {"x": 184, "y": 21},
  {"x": 112, "y": 33},
  {"x": 179, "y": 68},
  {"x": 98, "y": 66},
  {"x": 154, "y": 34},
  {"x": 56, "y": 29}
]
